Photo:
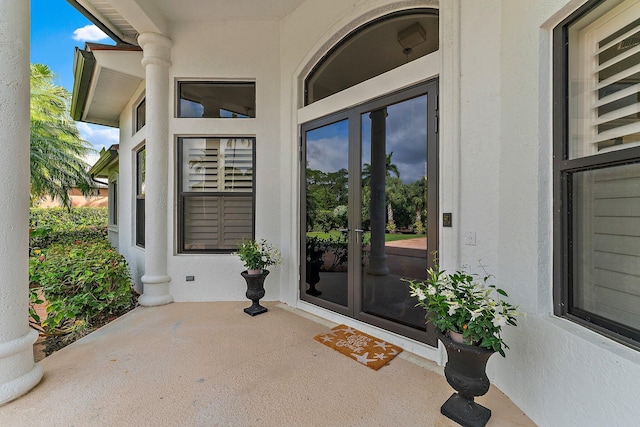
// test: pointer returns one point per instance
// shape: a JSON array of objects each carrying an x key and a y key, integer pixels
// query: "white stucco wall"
[
  {"x": 558, "y": 372},
  {"x": 495, "y": 144},
  {"x": 237, "y": 51},
  {"x": 495, "y": 152},
  {"x": 129, "y": 143}
]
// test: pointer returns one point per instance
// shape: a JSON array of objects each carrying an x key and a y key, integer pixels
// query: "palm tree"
[
  {"x": 57, "y": 152},
  {"x": 389, "y": 169}
]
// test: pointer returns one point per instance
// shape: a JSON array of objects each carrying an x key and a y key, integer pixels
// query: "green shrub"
[
  {"x": 83, "y": 283},
  {"x": 72, "y": 266},
  {"x": 58, "y": 225},
  {"x": 61, "y": 219}
]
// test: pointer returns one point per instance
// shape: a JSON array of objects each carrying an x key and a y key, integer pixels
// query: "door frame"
[{"x": 353, "y": 114}]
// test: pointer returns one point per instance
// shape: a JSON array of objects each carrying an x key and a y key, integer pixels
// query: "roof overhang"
[
  {"x": 105, "y": 79},
  {"x": 107, "y": 162}
]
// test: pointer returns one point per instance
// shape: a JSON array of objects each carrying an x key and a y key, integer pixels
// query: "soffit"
[
  {"x": 122, "y": 20},
  {"x": 110, "y": 94},
  {"x": 114, "y": 74},
  {"x": 227, "y": 10}
]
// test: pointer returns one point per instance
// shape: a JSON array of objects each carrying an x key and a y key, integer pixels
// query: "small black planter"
[
  {"x": 255, "y": 291},
  {"x": 313, "y": 276},
  {"x": 466, "y": 373}
]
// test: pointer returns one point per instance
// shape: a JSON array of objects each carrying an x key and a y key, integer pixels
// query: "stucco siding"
[{"x": 494, "y": 66}]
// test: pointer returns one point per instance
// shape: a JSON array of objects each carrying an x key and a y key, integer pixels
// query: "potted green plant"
[
  {"x": 459, "y": 304},
  {"x": 468, "y": 314},
  {"x": 257, "y": 255}
]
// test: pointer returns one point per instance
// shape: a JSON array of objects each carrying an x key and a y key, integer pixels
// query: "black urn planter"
[
  {"x": 313, "y": 276},
  {"x": 255, "y": 291},
  {"x": 466, "y": 373}
]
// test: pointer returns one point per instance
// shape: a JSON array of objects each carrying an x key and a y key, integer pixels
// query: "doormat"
[{"x": 363, "y": 348}]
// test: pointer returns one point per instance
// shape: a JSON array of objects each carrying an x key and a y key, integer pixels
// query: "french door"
[{"x": 370, "y": 208}]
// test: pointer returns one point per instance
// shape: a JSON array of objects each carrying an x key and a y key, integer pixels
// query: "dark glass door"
[{"x": 371, "y": 209}]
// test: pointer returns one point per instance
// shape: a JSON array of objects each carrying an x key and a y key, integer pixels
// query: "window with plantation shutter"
[
  {"x": 604, "y": 86},
  {"x": 597, "y": 168},
  {"x": 216, "y": 197}
]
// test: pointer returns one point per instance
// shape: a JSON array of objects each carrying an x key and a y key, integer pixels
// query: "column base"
[
  {"x": 153, "y": 301},
  {"x": 155, "y": 291},
  {"x": 16, "y": 365}
]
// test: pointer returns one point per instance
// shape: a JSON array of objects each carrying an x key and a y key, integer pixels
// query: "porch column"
[
  {"x": 18, "y": 372},
  {"x": 377, "y": 256},
  {"x": 156, "y": 60}
]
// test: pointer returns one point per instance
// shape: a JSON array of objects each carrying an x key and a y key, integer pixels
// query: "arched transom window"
[{"x": 374, "y": 49}]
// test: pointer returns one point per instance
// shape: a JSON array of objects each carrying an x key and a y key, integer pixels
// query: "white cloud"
[
  {"x": 98, "y": 136},
  {"x": 89, "y": 33}
]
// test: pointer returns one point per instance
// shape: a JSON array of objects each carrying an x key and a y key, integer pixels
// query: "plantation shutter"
[
  {"x": 201, "y": 171},
  {"x": 605, "y": 201},
  {"x": 238, "y": 165},
  {"x": 217, "y": 222},
  {"x": 615, "y": 64},
  {"x": 217, "y": 193}
]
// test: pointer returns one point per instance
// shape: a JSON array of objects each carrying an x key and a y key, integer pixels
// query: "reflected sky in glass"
[{"x": 327, "y": 147}]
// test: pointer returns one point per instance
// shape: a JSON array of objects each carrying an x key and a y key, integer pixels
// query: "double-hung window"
[
  {"x": 597, "y": 168},
  {"x": 216, "y": 193}
]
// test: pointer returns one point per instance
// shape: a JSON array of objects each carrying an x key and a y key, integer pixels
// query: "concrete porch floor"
[{"x": 210, "y": 364}]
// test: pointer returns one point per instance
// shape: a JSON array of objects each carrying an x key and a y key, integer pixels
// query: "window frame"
[
  {"x": 564, "y": 168},
  {"x": 113, "y": 201},
  {"x": 306, "y": 101},
  {"x": 139, "y": 224},
  {"x": 181, "y": 195},
  {"x": 222, "y": 82},
  {"x": 138, "y": 123}
]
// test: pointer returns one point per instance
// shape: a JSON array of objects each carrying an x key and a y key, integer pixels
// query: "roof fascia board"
[{"x": 84, "y": 65}]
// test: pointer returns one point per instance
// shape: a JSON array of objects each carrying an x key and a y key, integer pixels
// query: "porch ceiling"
[
  {"x": 126, "y": 19},
  {"x": 211, "y": 364}
]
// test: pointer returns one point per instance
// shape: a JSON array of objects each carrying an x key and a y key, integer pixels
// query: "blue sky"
[
  {"x": 56, "y": 28},
  {"x": 406, "y": 138}
]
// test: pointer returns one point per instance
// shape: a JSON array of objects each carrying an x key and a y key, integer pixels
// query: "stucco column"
[
  {"x": 156, "y": 60},
  {"x": 18, "y": 372},
  {"x": 377, "y": 256}
]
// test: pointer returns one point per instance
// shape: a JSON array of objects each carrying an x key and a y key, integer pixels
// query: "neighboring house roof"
[
  {"x": 107, "y": 163},
  {"x": 105, "y": 78}
]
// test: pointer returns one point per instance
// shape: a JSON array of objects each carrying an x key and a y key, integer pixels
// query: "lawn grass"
[{"x": 388, "y": 237}]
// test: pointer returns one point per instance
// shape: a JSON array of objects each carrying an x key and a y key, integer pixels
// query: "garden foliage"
[{"x": 72, "y": 266}]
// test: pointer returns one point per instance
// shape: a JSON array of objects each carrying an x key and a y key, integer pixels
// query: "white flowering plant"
[
  {"x": 258, "y": 254},
  {"x": 461, "y": 303}
]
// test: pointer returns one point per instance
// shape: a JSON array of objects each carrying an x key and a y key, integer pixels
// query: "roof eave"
[
  {"x": 106, "y": 160},
  {"x": 113, "y": 34},
  {"x": 84, "y": 64}
]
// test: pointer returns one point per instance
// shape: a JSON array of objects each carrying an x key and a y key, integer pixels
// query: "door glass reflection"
[
  {"x": 326, "y": 251},
  {"x": 394, "y": 209}
]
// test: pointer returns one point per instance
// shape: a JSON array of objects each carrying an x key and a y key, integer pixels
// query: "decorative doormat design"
[{"x": 363, "y": 348}]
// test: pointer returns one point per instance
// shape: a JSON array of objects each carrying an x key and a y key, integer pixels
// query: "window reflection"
[{"x": 216, "y": 99}]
